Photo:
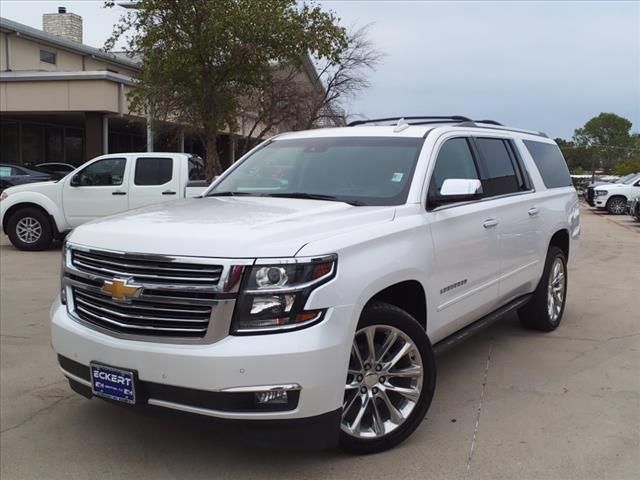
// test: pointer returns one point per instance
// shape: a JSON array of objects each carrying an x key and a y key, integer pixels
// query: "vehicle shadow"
[{"x": 196, "y": 446}]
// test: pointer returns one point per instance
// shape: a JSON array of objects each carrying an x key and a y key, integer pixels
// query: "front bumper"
[{"x": 315, "y": 358}]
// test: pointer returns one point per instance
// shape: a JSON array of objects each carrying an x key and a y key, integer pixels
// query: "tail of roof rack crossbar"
[{"x": 498, "y": 126}]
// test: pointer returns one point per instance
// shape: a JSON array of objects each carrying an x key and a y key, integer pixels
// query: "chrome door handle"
[
  {"x": 533, "y": 212},
  {"x": 490, "y": 223}
]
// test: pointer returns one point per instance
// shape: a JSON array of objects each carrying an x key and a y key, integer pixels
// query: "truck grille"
[
  {"x": 140, "y": 317},
  {"x": 590, "y": 196},
  {"x": 176, "y": 300},
  {"x": 142, "y": 270}
]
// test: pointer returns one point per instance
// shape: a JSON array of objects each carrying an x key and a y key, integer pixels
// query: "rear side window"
[
  {"x": 550, "y": 162},
  {"x": 196, "y": 168},
  {"x": 153, "y": 171},
  {"x": 502, "y": 176}
]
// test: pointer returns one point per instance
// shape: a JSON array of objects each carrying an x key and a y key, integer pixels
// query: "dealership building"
[{"x": 63, "y": 101}]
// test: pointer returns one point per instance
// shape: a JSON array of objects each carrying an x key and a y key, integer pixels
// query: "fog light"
[{"x": 274, "y": 397}]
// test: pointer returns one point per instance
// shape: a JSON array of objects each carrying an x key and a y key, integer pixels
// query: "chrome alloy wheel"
[
  {"x": 384, "y": 382},
  {"x": 617, "y": 206},
  {"x": 556, "y": 289},
  {"x": 28, "y": 230}
]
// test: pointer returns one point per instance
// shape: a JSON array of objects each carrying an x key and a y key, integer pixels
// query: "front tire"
[
  {"x": 617, "y": 205},
  {"x": 390, "y": 381},
  {"x": 544, "y": 311},
  {"x": 29, "y": 229}
]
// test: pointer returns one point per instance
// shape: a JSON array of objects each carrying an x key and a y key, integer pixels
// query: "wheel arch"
[
  {"x": 22, "y": 200},
  {"x": 408, "y": 295},
  {"x": 22, "y": 205},
  {"x": 561, "y": 240}
]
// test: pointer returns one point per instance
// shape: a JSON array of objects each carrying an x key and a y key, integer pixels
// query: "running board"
[{"x": 473, "y": 328}]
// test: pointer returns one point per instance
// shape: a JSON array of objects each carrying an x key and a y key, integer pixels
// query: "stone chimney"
[{"x": 63, "y": 24}]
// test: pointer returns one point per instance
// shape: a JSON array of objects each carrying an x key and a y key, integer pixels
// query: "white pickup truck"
[
  {"x": 615, "y": 197},
  {"x": 33, "y": 215}
]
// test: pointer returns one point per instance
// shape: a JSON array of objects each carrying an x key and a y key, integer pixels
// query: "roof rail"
[
  {"x": 424, "y": 119},
  {"x": 490, "y": 122},
  {"x": 496, "y": 126}
]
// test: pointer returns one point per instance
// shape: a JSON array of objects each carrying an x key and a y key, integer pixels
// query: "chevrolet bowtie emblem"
[{"x": 120, "y": 290}]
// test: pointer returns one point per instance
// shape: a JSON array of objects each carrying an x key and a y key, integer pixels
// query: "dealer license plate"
[{"x": 113, "y": 383}]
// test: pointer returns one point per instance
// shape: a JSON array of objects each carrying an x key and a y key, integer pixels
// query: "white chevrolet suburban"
[
  {"x": 35, "y": 214},
  {"x": 316, "y": 279},
  {"x": 615, "y": 197}
]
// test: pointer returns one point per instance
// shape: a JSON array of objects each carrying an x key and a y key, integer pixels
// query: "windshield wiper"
[
  {"x": 315, "y": 196},
  {"x": 230, "y": 194}
]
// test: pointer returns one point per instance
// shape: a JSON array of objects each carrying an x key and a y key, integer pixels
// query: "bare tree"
[
  {"x": 285, "y": 101},
  {"x": 342, "y": 80}
]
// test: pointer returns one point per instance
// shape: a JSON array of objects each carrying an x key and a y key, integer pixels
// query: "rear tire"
[
  {"x": 616, "y": 205},
  {"x": 544, "y": 311},
  {"x": 388, "y": 388},
  {"x": 29, "y": 229}
]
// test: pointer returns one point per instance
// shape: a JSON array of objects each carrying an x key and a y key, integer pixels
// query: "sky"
[{"x": 543, "y": 65}]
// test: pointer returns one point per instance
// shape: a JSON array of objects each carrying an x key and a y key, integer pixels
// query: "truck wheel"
[
  {"x": 30, "y": 229},
  {"x": 617, "y": 205},
  {"x": 544, "y": 311},
  {"x": 390, "y": 380}
]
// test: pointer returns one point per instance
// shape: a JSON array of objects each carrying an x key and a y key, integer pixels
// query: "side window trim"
[
  {"x": 528, "y": 184},
  {"x": 515, "y": 163}
]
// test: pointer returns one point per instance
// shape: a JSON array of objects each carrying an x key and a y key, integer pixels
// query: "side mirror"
[
  {"x": 75, "y": 180},
  {"x": 456, "y": 190},
  {"x": 461, "y": 187}
]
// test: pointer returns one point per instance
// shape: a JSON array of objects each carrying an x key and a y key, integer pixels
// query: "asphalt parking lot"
[{"x": 510, "y": 404}]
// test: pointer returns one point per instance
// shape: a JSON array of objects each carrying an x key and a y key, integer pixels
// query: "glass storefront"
[
  {"x": 30, "y": 143},
  {"x": 9, "y": 149}
]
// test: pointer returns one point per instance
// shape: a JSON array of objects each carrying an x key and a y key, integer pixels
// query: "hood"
[
  {"x": 611, "y": 186},
  {"x": 227, "y": 227},
  {"x": 33, "y": 187}
]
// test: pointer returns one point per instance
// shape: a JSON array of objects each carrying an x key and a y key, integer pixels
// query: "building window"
[
  {"x": 10, "y": 144},
  {"x": 48, "y": 57}
]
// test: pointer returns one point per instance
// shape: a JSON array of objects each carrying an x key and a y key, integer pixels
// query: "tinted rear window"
[
  {"x": 550, "y": 162},
  {"x": 153, "y": 171},
  {"x": 501, "y": 177}
]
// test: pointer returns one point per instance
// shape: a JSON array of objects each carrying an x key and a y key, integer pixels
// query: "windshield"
[
  {"x": 355, "y": 170},
  {"x": 629, "y": 179}
]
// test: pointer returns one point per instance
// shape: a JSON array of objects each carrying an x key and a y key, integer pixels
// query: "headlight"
[
  {"x": 273, "y": 295},
  {"x": 3, "y": 195},
  {"x": 600, "y": 193}
]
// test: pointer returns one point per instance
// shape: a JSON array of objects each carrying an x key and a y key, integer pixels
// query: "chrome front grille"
[
  {"x": 141, "y": 317},
  {"x": 178, "y": 299},
  {"x": 145, "y": 269}
]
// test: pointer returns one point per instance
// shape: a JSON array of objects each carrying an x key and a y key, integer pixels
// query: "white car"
[
  {"x": 615, "y": 197},
  {"x": 35, "y": 214},
  {"x": 316, "y": 279}
]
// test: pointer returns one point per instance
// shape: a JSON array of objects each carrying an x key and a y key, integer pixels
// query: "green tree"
[
  {"x": 201, "y": 58},
  {"x": 608, "y": 138},
  {"x": 627, "y": 166},
  {"x": 578, "y": 157}
]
